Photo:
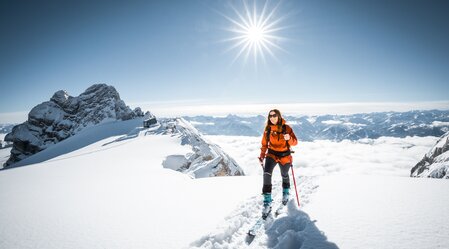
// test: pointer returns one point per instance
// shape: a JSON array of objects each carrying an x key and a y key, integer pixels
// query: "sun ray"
[
  {"x": 248, "y": 14},
  {"x": 233, "y": 38},
  {"x": 262, "y": 14},
  {"x": 254, "y": 14},
  {"x": 236, "y": 45},
  {"x": 245, "y": 23},
  {"x": 276, "y": 46},
  {"x": 262, "y": 54},
  {"x": 268, "y": 49},
  {"x": 255, "y": 31},
  {"x": 271, "y": 14},
  {"x": 240, "y": 52},
  {"x": 277, "y": 29},
  {"x": 243, "y": 26},
  {"x": 273, "y": 23}
]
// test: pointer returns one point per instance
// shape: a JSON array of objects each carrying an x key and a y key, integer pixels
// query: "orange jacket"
[{"x": 278, "y": 143}]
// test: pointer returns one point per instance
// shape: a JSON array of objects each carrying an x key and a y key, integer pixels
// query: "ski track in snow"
[
  {"x": 293, "y": 228},
  {"x": 289, "y": 230}
]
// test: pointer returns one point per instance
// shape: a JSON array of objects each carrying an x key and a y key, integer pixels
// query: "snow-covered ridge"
[
  {"x": 435, "y": 163},
  {"x": 334, "y": 127},
  {"x": 108, "y": 180},
  {"x": 198, "y": 158},
  {"x": 207, "y": 159},
  {"x": 63, "y": 116}
]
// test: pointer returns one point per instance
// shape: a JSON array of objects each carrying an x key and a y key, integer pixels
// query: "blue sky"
[{"x": 172, "y": 51}]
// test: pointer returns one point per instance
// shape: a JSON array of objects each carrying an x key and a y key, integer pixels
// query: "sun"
[{"x": 254, "y": 32}]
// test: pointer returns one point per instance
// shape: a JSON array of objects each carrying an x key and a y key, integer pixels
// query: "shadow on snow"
[{"x": 296, "y": 230}]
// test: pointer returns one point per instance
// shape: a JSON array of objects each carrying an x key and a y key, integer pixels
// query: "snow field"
[
  {"x": 113, "y": 193},
  {"x": 107, "y": 188},
  {"x": 382, "y": 211},
  {"x": 232, "y": 233}
]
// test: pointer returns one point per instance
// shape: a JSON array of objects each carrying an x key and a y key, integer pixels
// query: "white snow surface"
[
  {"x": 332, "y": 122},
  {"x": 4, "y": 155},
  {"x": 113, "y": 192},
  {"x": 381, "y": 212}
]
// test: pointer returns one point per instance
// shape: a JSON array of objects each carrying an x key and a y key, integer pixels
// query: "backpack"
[{"x": 284, "y": 129}]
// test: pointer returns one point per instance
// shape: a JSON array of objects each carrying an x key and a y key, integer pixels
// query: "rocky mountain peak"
[
  {"x": 435, "y": 163},
  {"x": 60, "y": 97},
  {"x": 63, "y": 116}
]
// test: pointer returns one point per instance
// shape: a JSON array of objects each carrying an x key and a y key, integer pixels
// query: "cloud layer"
[{"x": 382, "y": 156}]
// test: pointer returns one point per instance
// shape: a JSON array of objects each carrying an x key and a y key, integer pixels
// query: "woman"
[{"x": 276, "y": 142}]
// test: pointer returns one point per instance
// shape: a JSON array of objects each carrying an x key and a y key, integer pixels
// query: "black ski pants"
[{"x": 270, "y": 163}]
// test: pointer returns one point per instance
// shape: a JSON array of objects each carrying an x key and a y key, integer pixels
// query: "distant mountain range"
[
  {"x": 330, "y": 127},
  {"x": 334, "y": 127}
]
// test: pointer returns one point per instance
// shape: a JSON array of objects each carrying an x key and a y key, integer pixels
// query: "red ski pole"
[
  {"x": 296, "y": 190},
  {"x": 261, "y": 163}
]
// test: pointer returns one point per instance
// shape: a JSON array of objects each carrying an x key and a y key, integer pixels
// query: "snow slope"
[
  {"x": 115, "y": 193},
  {"x": 348, "y": 212},
  {"x": 382, "y": 211},
  {"x": 357, "y": 195},
  {"x": 4, "y": 155}
]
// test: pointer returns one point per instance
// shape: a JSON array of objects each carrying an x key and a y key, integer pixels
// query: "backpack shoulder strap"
[{"x": 284, "y": 131}]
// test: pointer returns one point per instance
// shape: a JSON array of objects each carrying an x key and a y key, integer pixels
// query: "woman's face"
[{"x": 273, "y": 117}]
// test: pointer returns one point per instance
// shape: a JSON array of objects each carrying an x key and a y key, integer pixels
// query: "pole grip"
[{"x": 261, "y": 163}]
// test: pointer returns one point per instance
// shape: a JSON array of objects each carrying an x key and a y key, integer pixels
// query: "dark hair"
[{"x": 279, "y": 123}]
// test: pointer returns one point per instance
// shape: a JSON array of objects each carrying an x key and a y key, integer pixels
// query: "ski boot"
[
  {"x": 266, "y": 205},
  {"x": 285, "y": 196}
]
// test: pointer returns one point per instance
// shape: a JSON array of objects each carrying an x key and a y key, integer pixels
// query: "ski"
[
  {"x": 252, "y": 232},
  {"x": 280, "y": 210},
  {"x": 256, "y": 227}
]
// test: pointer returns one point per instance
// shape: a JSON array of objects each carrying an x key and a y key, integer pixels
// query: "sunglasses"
[{"x": 272, "y": 116}]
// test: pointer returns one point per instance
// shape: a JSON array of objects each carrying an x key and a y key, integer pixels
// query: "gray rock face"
[
  {"x": 435, "y": 163},
  {"x": 63, "y": 116},
  {"x": 207, "y": 159}
]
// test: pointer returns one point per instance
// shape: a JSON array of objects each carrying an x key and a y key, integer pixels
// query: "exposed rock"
[
  {"x": 207, "y": 159},
  {"x": 436, "y": 162},
  {"x": 149, "y": 119},
  {"x": 63, "y": 116}
]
